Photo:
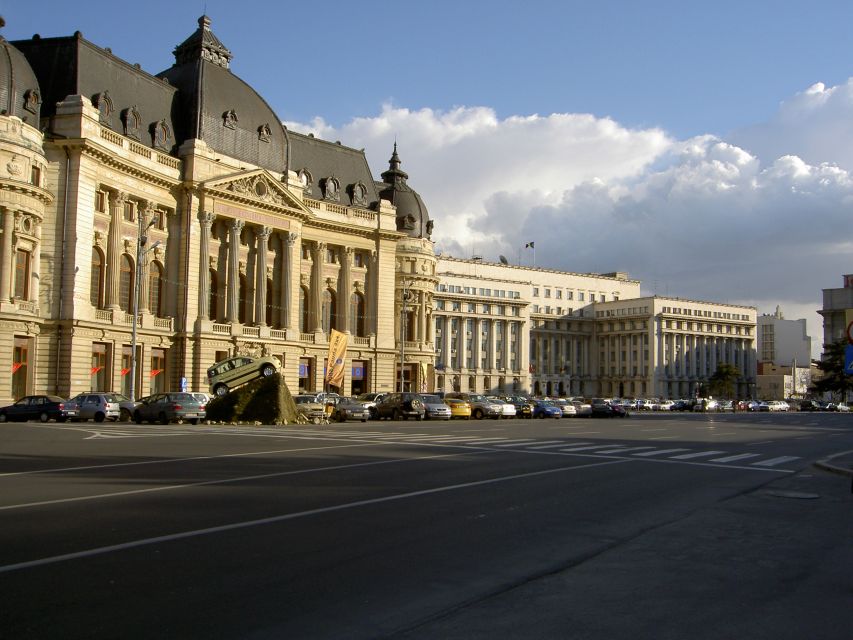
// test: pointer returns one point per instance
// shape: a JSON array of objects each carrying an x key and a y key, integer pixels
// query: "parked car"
[
  {"x": 546, "y": 409},
  {"x": 434, "y": 407},
  {"x": 310, "y": 408},
  {"x": 507, "y": 408},
  {"x": 350, "y": 409},
  {"x": 603, "y": 409},
  {"x": 97, "y": 406},
  {"x": 773, "y": 405},
  {"x": 582, "y": 409},
  {"x": 169, "y": 407},
  {"x": 567, "y": 408},
  {"x": 369, "y": 400},
  {"x": 725, "y": 405},
  {"x": 705, "y": 404},
  {"x": 481, "y": 407},
  {"x": 663, "y": 405},
  {"x": 42, "y": 408},
  {"x": 523, "y": 408},
  {"x": 810, "y": 405},
  {"x": 681, "y": 405},
  {"x": 400, "y": 406},
  {"x": 227, "y": 374},
  {"x": 459, "y": 408}
]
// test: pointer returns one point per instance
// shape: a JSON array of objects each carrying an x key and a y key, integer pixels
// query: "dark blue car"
[{"x": 546, "y": 409}]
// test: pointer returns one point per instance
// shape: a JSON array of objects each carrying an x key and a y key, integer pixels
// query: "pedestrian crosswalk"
[{"x": 630, "y": 450}]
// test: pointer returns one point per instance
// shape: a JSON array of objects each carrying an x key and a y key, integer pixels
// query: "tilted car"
[
  {"x": 227, "y": 374},
  {"x": 169, "y": 407},
  {"x": 42, "y": 408},
  {"x": 435, "y": 409},
  {"x": 400, "y": 406}
]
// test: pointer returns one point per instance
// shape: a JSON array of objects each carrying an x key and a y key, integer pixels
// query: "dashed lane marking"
[
  {"x": 740, "y": 456},
  {"x": 659, "y": 452},
  {"x": 700, "y": 454}
]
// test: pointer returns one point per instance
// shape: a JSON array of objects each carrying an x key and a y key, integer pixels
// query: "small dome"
[
  {"x": 19, "y": 90},
  {"x": 412, "y": 214}
]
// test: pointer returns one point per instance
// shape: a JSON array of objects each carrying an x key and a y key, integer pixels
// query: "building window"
[
  {"x": 158, "y": 371},
  {"x": 329, "y": 311},
  {"x": 356, "y": 316},
  {"x": 155, "y": 293},
  {"x": 35, "y": 175},
  {"x": 358, "y": 259},
  {"x": 98, "y": 374},
  {"x": 129, "y": 211},
  {"x": 96, "y": 283},
  {"x": 22, "y": 274},
  {"x": 125, "y": 284},
  {"x": 306, "y": 377}
]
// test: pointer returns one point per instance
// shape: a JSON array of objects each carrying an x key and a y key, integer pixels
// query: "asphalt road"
[{"x": 668, "y": 526}]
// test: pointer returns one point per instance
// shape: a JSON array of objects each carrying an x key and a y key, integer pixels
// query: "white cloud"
[{"x": 760, "y": 219}]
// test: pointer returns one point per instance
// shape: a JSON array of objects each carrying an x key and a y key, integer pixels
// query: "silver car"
[
  {"x": 97, "y": 406},
  {"x": 435, "y": 407}
]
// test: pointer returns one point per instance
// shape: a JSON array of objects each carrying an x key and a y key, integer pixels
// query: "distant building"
[
  {"x": 783, "y": 342},
  {"x": 837, "y": 311}
]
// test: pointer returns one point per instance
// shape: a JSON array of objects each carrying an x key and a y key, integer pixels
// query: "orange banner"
[{"x": 335, "y": 361}]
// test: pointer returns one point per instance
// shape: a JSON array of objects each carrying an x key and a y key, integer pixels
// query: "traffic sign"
[
  {"x": 848, "y": 359},
  {"x": 850, "y": 332}
]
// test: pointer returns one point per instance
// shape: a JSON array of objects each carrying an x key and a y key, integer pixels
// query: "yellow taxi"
[{"x": 459, "y": 408}]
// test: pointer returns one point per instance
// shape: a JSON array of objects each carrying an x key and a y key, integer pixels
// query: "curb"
[{"x": 825, "y": 465}]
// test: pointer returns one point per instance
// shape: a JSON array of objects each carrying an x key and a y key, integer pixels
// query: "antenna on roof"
[{"x": 503, "y": 259}]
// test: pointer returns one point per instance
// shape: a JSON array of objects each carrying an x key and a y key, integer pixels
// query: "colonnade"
[{"x": 487, "y": 333}]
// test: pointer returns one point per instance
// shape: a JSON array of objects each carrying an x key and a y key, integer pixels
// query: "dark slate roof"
[
  {"x": 216, "y": 106},
  {"x": 20, "y": 94},
  {"x": 324, "y": 161},
  {"x": 131, "y": 101},
  {"x": 412, "y": 215}
]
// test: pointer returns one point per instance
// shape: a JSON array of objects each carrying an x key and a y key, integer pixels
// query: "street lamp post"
[
  {"x": 140, "y": 252},
  {"x": 403, "y": 323}
]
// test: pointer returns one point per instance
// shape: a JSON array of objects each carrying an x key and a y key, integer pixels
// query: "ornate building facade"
[{"x": 181, "y": 196}]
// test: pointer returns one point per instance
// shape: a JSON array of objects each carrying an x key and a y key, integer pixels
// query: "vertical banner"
[
  {"x": 335, "y": 361},
  {"x": 423, "y": 377}
]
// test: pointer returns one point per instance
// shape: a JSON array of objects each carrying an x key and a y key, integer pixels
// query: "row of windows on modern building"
[{"x": 477, "y": 343}]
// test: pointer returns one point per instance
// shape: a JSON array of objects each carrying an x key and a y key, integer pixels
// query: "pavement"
[{"x": 774, "y": 562}]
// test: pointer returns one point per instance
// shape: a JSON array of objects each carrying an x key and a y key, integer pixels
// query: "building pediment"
[{"x": 257, "y": 186}]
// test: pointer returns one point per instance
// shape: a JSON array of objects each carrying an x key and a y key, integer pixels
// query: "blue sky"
[{"x": 705, "y": 148}]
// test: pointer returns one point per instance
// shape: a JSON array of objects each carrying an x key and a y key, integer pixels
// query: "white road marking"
[
  {"x": 597, "y": 446},
  {"x": 774, "y": 461},
  {"x": 700, "y": 454},
  {"x": 659, "y": 452},
  {"x": 623, "y": 449},
  {"x": 88, "y": 553},
  {"x": 515, "y": 443},
  {"x": 555, "y": 446},
  {"x": 741, "y": 456}
]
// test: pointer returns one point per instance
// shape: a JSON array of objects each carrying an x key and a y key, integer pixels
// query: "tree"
[
  {"x": 834, "y": 379},
  {"x": 722, "y": 382}
]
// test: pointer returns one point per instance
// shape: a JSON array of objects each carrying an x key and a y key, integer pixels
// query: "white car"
[
  {"x": 663, "y": 405},
  {"x": 774, "y": 405},
  {"x": 567, "y": 408},
  {"x": 582, "y": 408},
  {"x": 507, "y": 408}
]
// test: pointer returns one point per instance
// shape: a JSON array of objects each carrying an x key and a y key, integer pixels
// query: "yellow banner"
[
  {"x": 423, "y": 377},
  {"x": 335, "y": 361}
]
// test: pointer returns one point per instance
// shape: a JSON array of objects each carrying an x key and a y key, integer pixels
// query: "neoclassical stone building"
[{"x": 182, "y": 191}]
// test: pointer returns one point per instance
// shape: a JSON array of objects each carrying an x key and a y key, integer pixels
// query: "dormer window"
[
  {"x": 359, "y": 194},
  {"x": 305, "y": 179},
  {"x": 131, "y": 121},
  {"x": 104, "y": 104},
  {"x": 264, "y": 133},
  {"x": 229, "y": 119},
  {"x": 331, "y": 189},
  {"x": 32, "y": 99},
  {"x": 160, "y": 135}
]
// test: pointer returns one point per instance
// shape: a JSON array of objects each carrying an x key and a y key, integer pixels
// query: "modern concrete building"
[
  {"x": 783, "y": 342},
  {"x": 837, "y": 311}
]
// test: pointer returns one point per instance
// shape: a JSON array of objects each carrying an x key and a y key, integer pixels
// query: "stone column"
[
  {"x": 345, "y": 289},
  {"x": 422, "y": 332},
  {"x": 114, "y": 250},
  {"x": 35, "y": 269},
  {"x": 290, "y": 270},
  {"x": 7, "y": 255},
  {"x": 262, "y": 237},
  {"x": 205, "y": 220},
  {"x": 372, "y": 292},
  {"x": 232, "y": 299},
  {"x": 445, "y": 347},
  {"x": 713, "y": 356},
  {"x": 316, "y": 301}
]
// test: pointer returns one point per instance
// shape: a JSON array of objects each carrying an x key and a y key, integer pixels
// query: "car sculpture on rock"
[{"x": 228, "y": 374}]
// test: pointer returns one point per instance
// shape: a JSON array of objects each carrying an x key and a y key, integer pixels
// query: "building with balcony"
[{"x": 182, "y": 191}]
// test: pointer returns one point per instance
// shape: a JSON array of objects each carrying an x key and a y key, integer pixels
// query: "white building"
[{"x": 783, "y": 342}]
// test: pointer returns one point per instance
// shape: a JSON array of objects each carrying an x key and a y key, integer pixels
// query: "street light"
[
  {"x": 403, "y": 324},
  {"x": 140, "y": 252}
]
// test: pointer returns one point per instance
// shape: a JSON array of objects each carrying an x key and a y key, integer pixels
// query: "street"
[{"x": 657, "y": 526}]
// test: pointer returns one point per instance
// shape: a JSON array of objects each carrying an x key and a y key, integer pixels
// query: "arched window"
[
  {"x": 125, "y": 287},
  {"x": 356, "y": 315},
  {"x": 244, "y": 294},
  {"x": 96, "y": 284},
  {"x": 213, "y": 303},
  {"x": 303, "y": 310},
  {"x": 329, "y": 311},
  {"x": 155, "y": 289}
]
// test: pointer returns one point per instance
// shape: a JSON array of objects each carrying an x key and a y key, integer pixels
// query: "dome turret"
[
  {"x": 412, "y": 214},
  {"x": 19, "y": 90}
]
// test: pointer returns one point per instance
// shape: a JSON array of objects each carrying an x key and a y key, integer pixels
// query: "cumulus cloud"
[{"x": 759, "y": 218}]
